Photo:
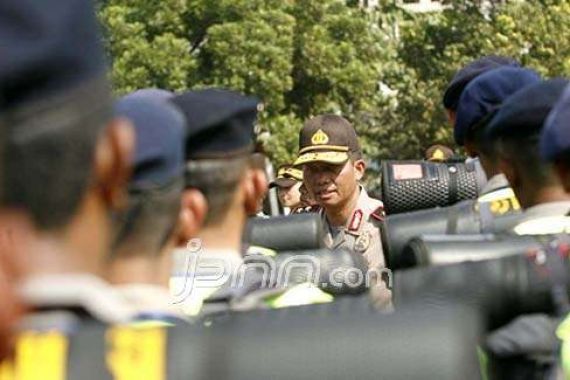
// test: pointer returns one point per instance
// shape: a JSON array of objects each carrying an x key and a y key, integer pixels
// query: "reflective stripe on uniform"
[
  {"x": 563, "y": 333},
  {"x": 302, "y": 294},
  {"x": 500, "y": 201},
  {"x": 38, "y": 356},
  {"x": 544, "y": 226},
  {"x": 136, "y": 353}
]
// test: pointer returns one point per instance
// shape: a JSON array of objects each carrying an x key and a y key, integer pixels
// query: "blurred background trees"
[{"x": 383, "y": 68}]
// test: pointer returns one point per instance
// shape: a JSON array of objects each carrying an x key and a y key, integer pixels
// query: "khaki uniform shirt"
[{"x": 361, "y": 234}]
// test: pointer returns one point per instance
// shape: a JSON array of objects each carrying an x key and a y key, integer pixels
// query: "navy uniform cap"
[
  {"x": 555, "y": 137},
  {"x": 462, "y": 77},
  {"x": 485, "y": 94},
  {"x": 46, "y": 48},
  {"x": 156, "y": 94},
  {"x": 220, "y": 123},
  {"x": 159, "y": 135},
  {"x": 524, "y": 113}
]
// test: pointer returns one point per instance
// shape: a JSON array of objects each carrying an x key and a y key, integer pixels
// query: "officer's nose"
[{"x": 322, "y": 179}]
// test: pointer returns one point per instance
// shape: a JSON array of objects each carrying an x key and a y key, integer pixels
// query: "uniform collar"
[
  {"x": 496, "y": 182},
  {"x": 149, "y": 299},
  {"x": 71, "y": 291},
  {"x": 364, "y": 207},
  {"x": 559, "y": 208}
]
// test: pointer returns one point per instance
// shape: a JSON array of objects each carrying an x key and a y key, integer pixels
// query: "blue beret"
[
  {"x": 159, "y": 132},
  {"x": 46, "y": 48},
  {"x": 485, "y": 94},
  {"x": 220, "y": 123},
  {"x": 524, "y": 113},
  {"x": 462, "y": 78},
  {"x": 555, "y": 138}
]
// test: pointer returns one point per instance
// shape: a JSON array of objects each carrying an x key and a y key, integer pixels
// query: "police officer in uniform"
[
  {"x": 288, "y": 183},
  {"x": 67, "y": 167},
  {"x": 140, "y": 264},
  {"x": 555, "y": 149},
  {"x": 465, "y": 75},
  {"x": 516, "y": 130},
  {"x": 212, "y": 278},
  {"x": 478, "y": 103},
  {"x": 330, "y": 155}
]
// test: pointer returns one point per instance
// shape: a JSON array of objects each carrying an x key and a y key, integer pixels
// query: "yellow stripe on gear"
[
  {"x": 563, "y": 333},
  {"x": 136, "y": 353},
  {"x": 302, "y": 294},
  {"x": 38, "y": 356}
]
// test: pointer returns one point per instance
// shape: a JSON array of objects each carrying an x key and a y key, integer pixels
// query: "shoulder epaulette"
[{"x": 379, "y": 214}]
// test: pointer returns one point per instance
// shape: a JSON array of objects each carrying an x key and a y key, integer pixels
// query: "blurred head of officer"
[
  {"x": 465, "y": 75},
  {"x": 330, "y": 155},
  {"x": 555, "y": 138},
  {"x": 219, "y": 167},
  {"x": 515, "y": 130},
  {"x": 479, "y": 102},
  {"x": 146, "y": 232},
  {"x": 288, "y": 183},
  {"x": 67, "y": 160},
  {"x": 439, "y": 153}
]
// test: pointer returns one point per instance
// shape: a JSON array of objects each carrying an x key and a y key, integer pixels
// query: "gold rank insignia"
[
  {"x": 362, "y": 242},
  {"x": 438, "y": 155},
  {"x": 319, "y": 138}
]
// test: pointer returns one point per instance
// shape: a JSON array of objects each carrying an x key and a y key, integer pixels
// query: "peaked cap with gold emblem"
[
  {"x": 327, "y": 138},
  {"x": 287, "y": 176}
]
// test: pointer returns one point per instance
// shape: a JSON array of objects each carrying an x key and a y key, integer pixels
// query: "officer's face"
[
  {"x": 333, "y": 185},
  {"x": 289, "y": 196}
]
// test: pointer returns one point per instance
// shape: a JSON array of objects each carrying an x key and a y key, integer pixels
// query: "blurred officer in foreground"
[
  {"x": 479, "y": 101},
  {"x": 527, "y": 345},
  {"x": 516, "y": 130},
  {"x": 465, "y": 75},
  {"x": 555, "y": 148},
  {"x": 288, "y": 182},
  {"x": 330, "y": 155},
  {"x": 67, "y": 165},
  {"x": 219, "y": 149},
  {"x": 140, "y": 264},
  {"x": 555, "y": 139}
]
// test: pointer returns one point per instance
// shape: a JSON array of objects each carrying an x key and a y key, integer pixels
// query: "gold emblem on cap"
[
  {"x": 438, "y": 155},
  {"x": 319, "y": 138}
]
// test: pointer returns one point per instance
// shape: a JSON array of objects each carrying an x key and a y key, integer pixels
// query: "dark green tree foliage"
[{"x": 383, "y": 69}]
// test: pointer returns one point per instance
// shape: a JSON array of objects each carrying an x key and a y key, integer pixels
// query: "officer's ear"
[
  {"x": 471, "y": 149},
  {"x": 359, "y": 168},
  {"x": 113, "y": 162},
  {"x": 508, "y": 169},
  {"x": 255, "y": 188},
  {"x": 193, "y": 211}
]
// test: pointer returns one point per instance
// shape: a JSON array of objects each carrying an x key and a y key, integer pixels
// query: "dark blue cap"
[
  {"x": 462, "y": 78},
  {"x": 159, "y": 132},
  {"x": 485, "y": 94},
  {"x": 47, "y": 47},
  {"x": 524, "y": 113},
  {"x": 220, "y": 123},
  {"x": 152, "y": 94},
  {"x": 555, "y": 138}
]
